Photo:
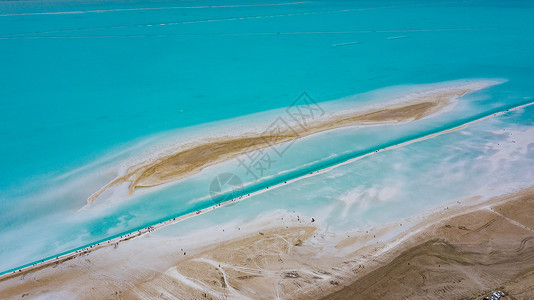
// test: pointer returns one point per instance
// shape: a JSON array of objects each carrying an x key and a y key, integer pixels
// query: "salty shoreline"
[
  {"x": 292, "y": 256},
  {"x": 126, "y": 236},
  {"x": 460, "y": 254},
  {"x": 191, "y": 158}
]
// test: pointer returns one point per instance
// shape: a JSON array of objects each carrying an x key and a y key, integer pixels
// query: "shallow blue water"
[{"x": 81, "y": 86}]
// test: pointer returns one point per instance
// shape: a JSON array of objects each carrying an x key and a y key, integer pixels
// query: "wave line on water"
[
  {"x": 149, "y": 8},
  {"x": 239, "y": 33},
  {"x": 345, "y": 44},
  {"x": 173, "y": 23}
]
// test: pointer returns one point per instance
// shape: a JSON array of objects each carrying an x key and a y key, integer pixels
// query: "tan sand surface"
[
  {"x": 192, "y": 158},
  {"x": 464, "y": 257},
  {"x": 457, "y": 252}
]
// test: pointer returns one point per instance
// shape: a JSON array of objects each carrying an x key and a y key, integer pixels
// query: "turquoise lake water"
[{"x": 87, "y": 86}]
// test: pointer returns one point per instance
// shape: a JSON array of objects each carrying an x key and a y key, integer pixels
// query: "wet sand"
[
  {"x": 192, "y": 158},
  {"x": 459, "y": 251}
]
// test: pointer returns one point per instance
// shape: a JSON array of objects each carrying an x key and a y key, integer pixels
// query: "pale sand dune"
[
  {"x": 458, "y": 252},
  {"x": 192, "y": 158}
]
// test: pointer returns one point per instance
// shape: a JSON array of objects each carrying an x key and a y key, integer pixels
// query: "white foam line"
[
  {"x": 397, "y": 37},
  {"x": 208, "y": 6},
  {"x": 269, "y": 4},
  {"x": 211, "y": 20},
  {"x": 345, "y": 44},
  {"x": 149, "y": 8},
  {"x": 196, "y": 21},
  {"x": 242, "y": 33}
]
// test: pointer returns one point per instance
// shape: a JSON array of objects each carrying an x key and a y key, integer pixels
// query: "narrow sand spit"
[
  {"x": 192, "y": 158},
  {"x": 462, "y": 250}
]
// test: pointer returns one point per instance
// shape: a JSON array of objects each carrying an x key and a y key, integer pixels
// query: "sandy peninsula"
[
  {"x": 193, "y": 157},
  {"x": 460, "y": 251}
]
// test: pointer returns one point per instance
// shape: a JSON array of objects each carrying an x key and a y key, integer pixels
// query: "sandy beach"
[
  {"x": 193, "y": 157},
  {"x": 462, "y": 250},
  {"x": 464, "y": 255}
]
